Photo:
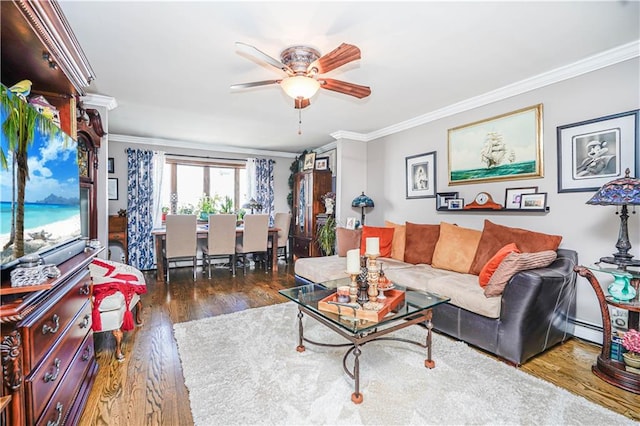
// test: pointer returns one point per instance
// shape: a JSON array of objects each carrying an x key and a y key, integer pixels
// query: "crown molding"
[
  {"x": 196, "y": 145},
  {"x": 327, "y": 147},
  {"x": 107, "y": 102},
  {"x": 601, "y": 60}
]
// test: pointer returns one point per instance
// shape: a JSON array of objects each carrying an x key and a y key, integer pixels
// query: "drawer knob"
[
  {"x": 48, "y": 329},
  {"x": 87, "y": 353},
  {"x": 51, "y": 377},
  {"x": 84, "y": 290},
  {"x": 85, "y": 321},
  {"x": 59, "y": 410}
]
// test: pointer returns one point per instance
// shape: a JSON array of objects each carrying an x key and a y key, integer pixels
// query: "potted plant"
[
  {"x": 326, "y": 236},
  {"x": 631, "y": 342},
  {"x": 165, "y": 211},
  {"x": 206, "y": 206}
]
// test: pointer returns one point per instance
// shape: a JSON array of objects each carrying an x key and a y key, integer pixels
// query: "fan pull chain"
[{"x": 300, "y": 121}]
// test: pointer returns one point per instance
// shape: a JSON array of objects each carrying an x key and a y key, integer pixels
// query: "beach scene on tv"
[{"x": 51, "y": 194}]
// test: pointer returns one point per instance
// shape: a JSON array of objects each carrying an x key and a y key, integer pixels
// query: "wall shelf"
[{"x": 545, "y": 210}]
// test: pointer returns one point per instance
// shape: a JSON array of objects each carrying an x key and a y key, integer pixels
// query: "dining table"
[{"x": 159, "y": 235}]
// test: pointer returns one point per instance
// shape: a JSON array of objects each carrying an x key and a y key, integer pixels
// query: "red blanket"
[{"x": 110, "y": 277}]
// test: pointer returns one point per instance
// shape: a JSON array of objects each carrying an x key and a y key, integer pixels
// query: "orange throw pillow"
[
  {"x": 399, "y": 239},
  {"x": 385, "y": 235},
  {"x": 490, "y": 267}
]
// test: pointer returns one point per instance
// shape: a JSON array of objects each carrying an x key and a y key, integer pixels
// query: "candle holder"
[
  {"x": 372, "y": 277},
  {"x": 353, "y": 287}
]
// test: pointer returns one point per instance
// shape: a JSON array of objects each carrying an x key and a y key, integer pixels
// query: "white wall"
[{"x": 590, "y": 230}]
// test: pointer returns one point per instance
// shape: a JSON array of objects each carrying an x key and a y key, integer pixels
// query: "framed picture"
[
  {"x": 322, "y": 163},
  {"x": 512, "y": 196},
  {"x": 456, "y": 204},
  {"x": 537, "y": 201},
  {"x": 505, "y": 147},
  {"x": 112, "y": 188},
  {"x": 442, "y": 199},
  {"x": 594, "y": 152},
  {"x": 351, "y": 223},
  {"x": 110, "y": 167},
  {"x": 421, "y": 175},
  {"x": 309, "y": 161}
]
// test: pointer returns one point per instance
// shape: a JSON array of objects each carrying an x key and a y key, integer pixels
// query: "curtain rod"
[{"x": 208, "y": 158}]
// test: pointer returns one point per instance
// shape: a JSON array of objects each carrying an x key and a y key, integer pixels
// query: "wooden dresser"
[
  {"x": 118, "y": 233},
  {"x": 48, "y": 360}
]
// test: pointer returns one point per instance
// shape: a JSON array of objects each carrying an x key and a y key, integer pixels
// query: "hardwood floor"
[{"x": 147, "y": 388}]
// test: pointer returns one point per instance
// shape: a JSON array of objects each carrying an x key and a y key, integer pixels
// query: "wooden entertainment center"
[{"x": 46, "y": 341}]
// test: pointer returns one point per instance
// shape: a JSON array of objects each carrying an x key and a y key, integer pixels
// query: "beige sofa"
[{"x": 531, "y": 312}]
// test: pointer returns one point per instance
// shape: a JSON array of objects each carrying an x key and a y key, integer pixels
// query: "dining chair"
[
  {"x": 254, "y": 237},
  {"x": 181, "y": 240},
  {"x": 282, "y": 222},
  {"x": 221, "y": 241}
]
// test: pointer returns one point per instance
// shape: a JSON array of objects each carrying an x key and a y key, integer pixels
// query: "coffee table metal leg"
[
  {"x": 300, "y": 347},
  {"x": 429, "y": 363},
  {"x": 356, "y": 397}
]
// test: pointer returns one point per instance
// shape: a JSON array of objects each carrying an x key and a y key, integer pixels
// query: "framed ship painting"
[{"x": 505, "y": 147}]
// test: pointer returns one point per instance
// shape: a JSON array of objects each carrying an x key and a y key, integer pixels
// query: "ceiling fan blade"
[
  {"x": 301, "y": 103},
  {"x": 346, "y": 88},
  {"x": 343, "y": 54},
  {"x": 247, "y": 48},
  {"x": 254, "y": 84}
]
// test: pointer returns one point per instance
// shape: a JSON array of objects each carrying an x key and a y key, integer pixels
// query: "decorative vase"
[{"x": 632, "y": 359}]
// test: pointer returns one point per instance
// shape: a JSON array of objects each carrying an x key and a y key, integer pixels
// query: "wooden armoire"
[{"x": 308, "y": 187}]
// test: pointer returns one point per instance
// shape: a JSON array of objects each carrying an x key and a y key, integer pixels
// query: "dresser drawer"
[
  {"x": 41, "y": 384},
  {"x": 41, "y": 330},
  {"x": 63, "y": 402}
]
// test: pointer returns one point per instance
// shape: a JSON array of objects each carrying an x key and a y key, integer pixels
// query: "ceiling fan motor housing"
[{"x": 298, "y": 58}]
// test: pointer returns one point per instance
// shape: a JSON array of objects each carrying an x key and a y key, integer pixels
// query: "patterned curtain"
[
  {"x": 140, "y": 208},
  {"x": 260, "y": 177}
]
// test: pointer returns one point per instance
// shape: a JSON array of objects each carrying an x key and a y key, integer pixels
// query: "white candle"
[
  {"x": 373, "y": 245},
  {"x": 353, "y": 261}
]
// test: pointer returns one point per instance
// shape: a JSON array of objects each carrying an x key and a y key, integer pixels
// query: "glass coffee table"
[{"x": 415, "y": 307}]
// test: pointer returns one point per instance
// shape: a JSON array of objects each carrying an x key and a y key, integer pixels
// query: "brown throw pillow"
[
  {"x": 494, "y": 237},
  {"x": 420, "y": 242},
  {"x": 514, "y": 263},
  {"x": 399, "y": 239},
  {"x": 455, "y": 248},
  {"x": 347, "y": 239}
]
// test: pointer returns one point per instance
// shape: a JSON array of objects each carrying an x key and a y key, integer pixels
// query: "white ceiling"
[{"x": 169, "y": 65}]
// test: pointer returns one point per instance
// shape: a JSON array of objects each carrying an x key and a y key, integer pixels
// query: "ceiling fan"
[{"x": 303, "y": 66}]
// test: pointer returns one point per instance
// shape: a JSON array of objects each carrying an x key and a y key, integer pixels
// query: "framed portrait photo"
[
  {"x": 421, "y": 175},
  {"x": 112, "y": 188},
  {"x": 594, "y": 152},
  {"x": 322, "y": 163},
  {"x": 309, "y": 161},
  {"x": 513, "y": 196},
  {"x": 537, "y": 201},
  {"x": 351, "y": 223},
  {"x": 505, "y": 147}
]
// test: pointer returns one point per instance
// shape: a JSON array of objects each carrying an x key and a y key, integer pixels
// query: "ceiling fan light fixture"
[{"x": 299, "y": 86}]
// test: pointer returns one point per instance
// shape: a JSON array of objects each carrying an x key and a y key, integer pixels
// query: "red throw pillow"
[
  {"x": 490, "y": 267},
  {"x": 385, "y": 235}
]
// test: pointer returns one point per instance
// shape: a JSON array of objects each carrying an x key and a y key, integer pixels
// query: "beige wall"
[{"x": 590, "y": 230}]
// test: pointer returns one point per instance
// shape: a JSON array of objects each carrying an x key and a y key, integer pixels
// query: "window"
[{"x": 190, "y": 179}]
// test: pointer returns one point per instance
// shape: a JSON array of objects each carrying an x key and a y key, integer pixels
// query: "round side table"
[{"x": 610, "y": 370}]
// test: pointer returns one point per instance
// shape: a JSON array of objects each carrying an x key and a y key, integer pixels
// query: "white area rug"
[{"x": 243, "y": 368}]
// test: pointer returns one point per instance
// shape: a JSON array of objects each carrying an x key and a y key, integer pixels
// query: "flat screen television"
[{"x": 52, "y": 194}]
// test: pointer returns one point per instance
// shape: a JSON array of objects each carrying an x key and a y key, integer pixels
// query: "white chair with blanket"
[{"x": 115, "y": 292}]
